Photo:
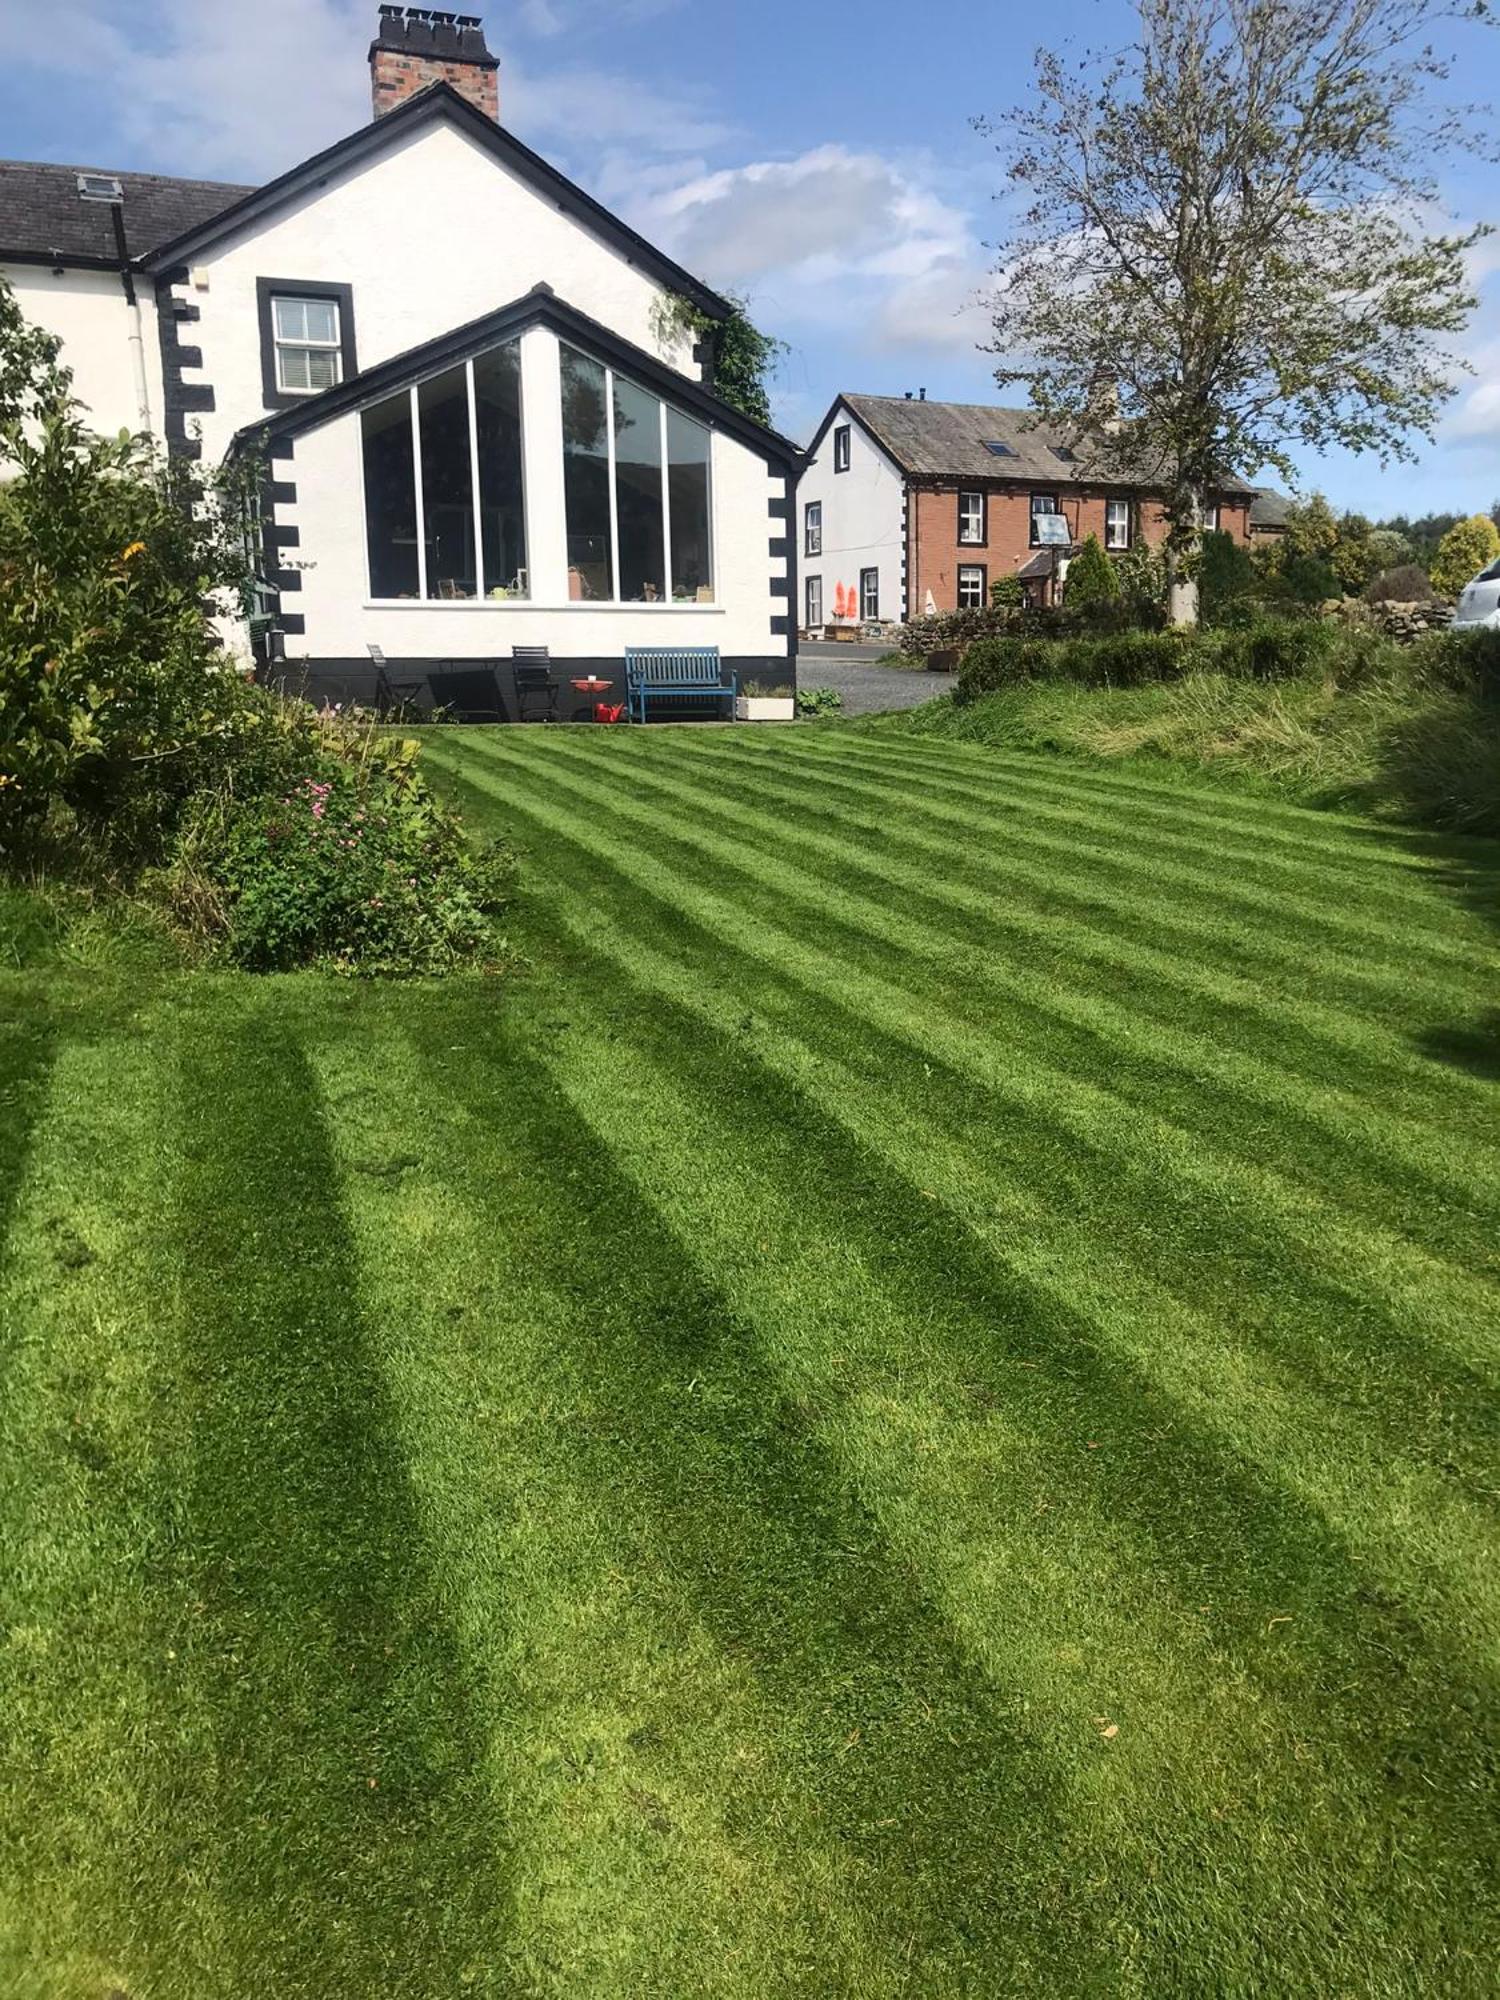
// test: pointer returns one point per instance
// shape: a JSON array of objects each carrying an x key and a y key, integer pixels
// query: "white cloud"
[{"x": 596, "y": 108}]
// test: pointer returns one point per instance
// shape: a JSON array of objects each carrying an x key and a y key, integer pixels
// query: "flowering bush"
[{"x": 353, "y": 865}]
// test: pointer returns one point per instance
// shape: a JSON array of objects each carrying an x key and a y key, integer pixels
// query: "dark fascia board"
[
  {"x": 540, "y": 307},
  {"x": 441, "y": 100},
  {"x": 60, "y": 260}
]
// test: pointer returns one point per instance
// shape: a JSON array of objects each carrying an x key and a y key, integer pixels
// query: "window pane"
[
  {"x": 292, "y": 369},
  {"x": 643, "y": 570},
  {"x": 688, "y": 447},
  {"x": 322, "y": 366},
  {"x": 322, "y": 317},
  {"x": 869, "y": 593},
  {"x": 814, "y": 600},
  {"x": 586, "y": 477},
  {"x": 497, "y": 404},
  {"x": 390, "y": 499},
  {"x": 291, "y": 319},
  {"x": 447, "y": 486}
]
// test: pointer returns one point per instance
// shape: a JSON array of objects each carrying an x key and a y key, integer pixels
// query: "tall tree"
[{"x": 1228, "y": 225}]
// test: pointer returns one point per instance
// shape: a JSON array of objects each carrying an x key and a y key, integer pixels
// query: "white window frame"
[
  {"x": 812, "y": 528},
  {"x": 1111, "y": 540},
  {"x": 809, "y": 584},
  {"x": 973, "y": 569},
  {"x": 969, "y": 518},
  {"x": 872, "y": 615},
  {"x": 843, "y": 444},
  {"x": 283, "y": 344},
  {"x": 1211, "y": 519}
]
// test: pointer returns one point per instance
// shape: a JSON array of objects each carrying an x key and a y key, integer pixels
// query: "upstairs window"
[
  {"x": 1117, "y": 524},
  {"x": 1041, "y": 503},
  {"x": 306, "y": 338},
  {"x": 841, "y": 438},
  {"x": 971, "y": 519},
  {"x": 812, "y": 528},
  {"x": 308, "y": 345}
]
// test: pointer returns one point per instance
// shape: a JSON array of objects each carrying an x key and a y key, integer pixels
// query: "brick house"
[{"x": 905, "y": 501}]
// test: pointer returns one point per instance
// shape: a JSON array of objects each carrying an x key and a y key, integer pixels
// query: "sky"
[{"x": 815, "y": 155}]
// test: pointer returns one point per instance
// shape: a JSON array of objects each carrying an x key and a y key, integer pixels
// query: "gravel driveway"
[{"x": 866, "y": 688}]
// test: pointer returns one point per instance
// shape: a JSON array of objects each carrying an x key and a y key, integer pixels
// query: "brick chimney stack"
[{"x": 414, "y": 46}]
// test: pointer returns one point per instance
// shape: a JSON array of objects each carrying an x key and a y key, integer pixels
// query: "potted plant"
[{"x": 758, "y": 703}]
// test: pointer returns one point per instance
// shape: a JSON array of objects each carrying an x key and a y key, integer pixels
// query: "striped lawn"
[{"x": 907, "y": 1409}]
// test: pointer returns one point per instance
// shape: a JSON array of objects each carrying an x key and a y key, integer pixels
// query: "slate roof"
[
  {"x": 43, "y": 215},
  {"x": 1269, "y": 509},
  {"x": 951, "y": 440}
]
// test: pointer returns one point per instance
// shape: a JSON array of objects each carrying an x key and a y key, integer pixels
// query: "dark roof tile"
[{"x": 43, "y": 214}]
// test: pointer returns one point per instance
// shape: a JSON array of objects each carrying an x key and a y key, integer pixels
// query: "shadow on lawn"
[
  {"x": 916, "y": 1776},
  {"x": 1468, "y": 869},
  {"x": 1398, "y": 1714},
  {"x": 336, "y": 1811}
]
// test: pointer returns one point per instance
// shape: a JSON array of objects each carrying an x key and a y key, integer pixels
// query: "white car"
[{"x": 1479, "y": 601}]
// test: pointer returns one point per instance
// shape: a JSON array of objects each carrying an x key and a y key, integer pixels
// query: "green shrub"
[
  {"x": 114, "y": 691},
  {"x": 1002, "y": 662},
  {"x": 1466, "y": 660},
  {"x": 351, "y": 864},
  {"x": 1228, "y": 583},
  {"x": 1467, "y": 548},
  {"x": 1142, "y": 575},
  {"x": 1406, "y": 584},
  {"x": 818, "y": 701},
  {"x": 1006, "y": 593},
  {"x": 1091, "y": 583}
]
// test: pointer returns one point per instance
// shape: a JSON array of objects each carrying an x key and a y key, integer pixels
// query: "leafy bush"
[
  {"x": 1275, "y": 649},
  {"x": 1467, "y": 548},
  {"x": 1467, "y": 660},
  {"x": 113, "y": 687},
  {"x": 818, "y": 701},
  {"x": 1406, "y": 584},
  {"x": 1141, "y": 572},
  {"x": 1091, "y": 581},
  {"x": 1006, "y": 593},
  {"x": 1228, "y": 582},
  {"x": 349, "y": 864}
]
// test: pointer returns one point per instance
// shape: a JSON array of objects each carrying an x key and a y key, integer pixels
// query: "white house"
[
  {"x": 485, "y": 404},
  {"x": 852, "y": 526}
]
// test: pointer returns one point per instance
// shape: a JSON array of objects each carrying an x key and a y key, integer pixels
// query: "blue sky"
[{"x": 817, "y": 156}]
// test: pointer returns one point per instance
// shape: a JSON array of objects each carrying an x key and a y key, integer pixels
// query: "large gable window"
[
  {"x": 444, "y": 500},
  {"x": 636, "y": 490}
]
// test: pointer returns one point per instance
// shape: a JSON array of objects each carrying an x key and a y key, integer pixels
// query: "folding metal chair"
[{"x": 533, "y": 671}]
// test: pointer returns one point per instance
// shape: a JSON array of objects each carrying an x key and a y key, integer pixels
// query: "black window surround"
[
  {"x": 842, "y": 436},
  {"x": 1048, "y": 506},
  {"x": 966, "y": 514},
  {"x": 869, "y": 593},
  {"x": 967, "y": 572},
  {"x": 813, "y": 604},
  {"x": 812, "y": 528},
  {"x": 273, "y": 396}
]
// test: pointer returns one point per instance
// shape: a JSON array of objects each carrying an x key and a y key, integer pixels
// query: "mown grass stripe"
[
  {"x": 1451, "y": 1161},
  {"x": 1374, "y": 1025},
  {"x": 1016, "y": 829},
  {"x": 1442, "y": 1301},
  {"x": 1227, "y": 1537},
  {"x": 346, "y": 1827}
]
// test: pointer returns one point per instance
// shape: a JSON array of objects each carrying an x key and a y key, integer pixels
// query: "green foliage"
[
  {"x": 819, "y": 701},
  {"x": 113, "y": 688},
  {"x": 745, "y": 359},
  {"x": 1142, "y": 574},
  {"x": 1275, "y": 649},
  {"x": 1467, "y": 548},
  {"x": 1006, "y": 593},
  {"x": 1228, "y": 581},
  {"x": 335, "y": 853},
  {"x": 1091, "y": 581}
]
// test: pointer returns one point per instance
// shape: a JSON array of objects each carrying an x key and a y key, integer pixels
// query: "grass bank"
[
  {"x": 1403, "y": 750},
  {"x": 910, "y": 1411}
]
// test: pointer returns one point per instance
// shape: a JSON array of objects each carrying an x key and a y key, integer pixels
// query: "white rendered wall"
[
  {"x": 863, "y": 512},
  {"x": 341, "y": 622},
  {"x": 430, "y": 234},
  {"x": 87, "y": 311}
]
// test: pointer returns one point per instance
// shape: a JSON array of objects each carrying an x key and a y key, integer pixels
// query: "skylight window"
[
  {"x": 1065, "y": 453},
  {"x": 1000, "y": 450},
  {"x": 100, "y": 187}
]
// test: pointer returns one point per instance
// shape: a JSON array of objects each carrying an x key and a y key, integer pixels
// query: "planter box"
[{"x": 764, "y": 708}]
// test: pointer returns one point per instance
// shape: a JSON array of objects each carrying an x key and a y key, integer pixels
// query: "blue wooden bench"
[{"x": 678, "y": 673}]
